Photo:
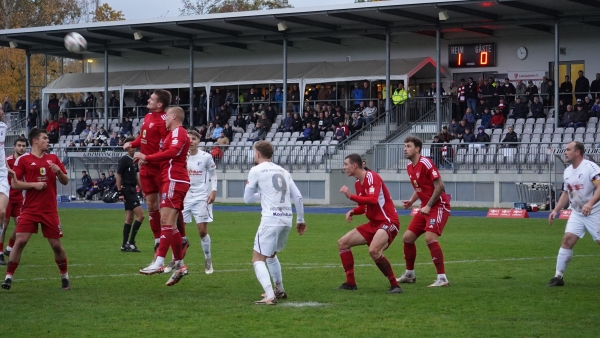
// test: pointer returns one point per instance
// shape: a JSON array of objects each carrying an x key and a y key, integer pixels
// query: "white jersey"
[
  {"x": 3, "y": 168},
  {"x": 274, "y": 184},
  {"x": 200, "y": 168},
  {"x": 579, "y": 183}
]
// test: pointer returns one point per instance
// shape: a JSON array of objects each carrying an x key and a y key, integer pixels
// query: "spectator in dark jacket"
[
  {"x": 468, "y": 137},
  {"x": 568, "y": 119},
  {"x": 581, "y": 117},
  {"x": 520, "y": 110},
  {"x": 306, "y": 133},
  {"x": 444, "y": 135},
  {"x": 340, "y": 133},
  {"x": 511, "y": 136},
  {"x": 86, "y": 184},
  {"x": 287, "y": 123},
  {"x": 486, "y": 118},
  {"x": 537, "y": 108},
  {"x": 481, "y": 108},
  {"x": 228, "y": 131},
  {"x": 357, "y": 123},
  {"x": 481, "y": 136},
  {"x": 127, "y": 128},
  {"x": 239, "y": 124},
  {"x": 21, "y": 104},
  {"x": 53, "y": 106},
  {"x": 79, "y": 127},
  {"x": 469, "y": 118},
  {"x": 315, "y": 133},
  {"x": 111, "y": 182},
  {"x": 297, "y": 123},
  {"x": 114, "y": 140},
  {"x": 31, "y": 119}
]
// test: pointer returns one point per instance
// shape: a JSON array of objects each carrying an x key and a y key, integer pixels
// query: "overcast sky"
[{"x": 145, "y": 9}]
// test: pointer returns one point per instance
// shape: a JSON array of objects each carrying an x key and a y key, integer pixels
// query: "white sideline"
[{"x": 289, "y": 266}]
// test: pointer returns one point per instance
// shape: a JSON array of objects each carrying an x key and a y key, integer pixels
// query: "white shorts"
[
  {"x": 578, "y": 224},
  {"x": 270, "y": 239},
  {"x": 4, "y": 187},
  {"x": 200, "y": 209}
]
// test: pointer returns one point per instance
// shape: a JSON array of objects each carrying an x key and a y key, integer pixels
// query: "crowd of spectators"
[{"x": 90, "y": 188}]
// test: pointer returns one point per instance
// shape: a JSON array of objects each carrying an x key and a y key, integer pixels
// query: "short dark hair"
[
  {"x": 579, "y": 146},
  {"x": 355, "y": 159},
  {"x": 130, "y": 139},
  {"x": 35, "y": 133},
  {"x": 264, "y": 148},
  {"x": 164, "y": 97},
  {"x": 20, "y": 139},
  {"x": 83, "y": 172},
  {"x": 415, "y": 141}
]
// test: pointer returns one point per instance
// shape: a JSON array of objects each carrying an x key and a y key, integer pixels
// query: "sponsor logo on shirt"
[
  {"x": 50, "y": 162},
  {"x": 151, "y": 125},
  {"x": 43, "y": 171},
  {"x": 371, "y": 190},
  {"x": 418, "y": 175}
]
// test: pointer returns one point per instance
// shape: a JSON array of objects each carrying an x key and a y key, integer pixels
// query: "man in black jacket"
[
  {"x": 511, "y": 136},
  {"x": 98, "y": 188},
  {"x": 127, "y": 128},
  {"x": 315, "y": 133},
  {"x": 111, "y": 181},
  {"x": 86, "y": 184},
  {"x": 582, "y": 86}
]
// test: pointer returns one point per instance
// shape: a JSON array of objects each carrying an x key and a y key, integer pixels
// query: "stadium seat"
[
  {"x": 530, "y": 120},
  {"x": 535, "y": 138},
  {"x": 538, "y": 129},
  {"x": 559, "y": 130},
  {"x": 569, "y": 130},
  {"x": 567, "y": 138},
  {"x": 580, "y": 130},
  {"x": 510, "y": 122},
  {"x": 578, "y": 138},
  {"x": 286, "y": 135},
  {"x": 520, "y": 121},
  {"x": 295, "y": 135},
  {"x": 497, "y": 131},
  {"x": 495, "y": 138},
  {"x": 540, "y": 120},
  {"x": 589, "y": 138},
  {"x": 593, "y": 119}
]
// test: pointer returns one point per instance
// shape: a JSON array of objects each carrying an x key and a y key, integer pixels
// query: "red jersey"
[
  {"x": 374, "y": 200},
  {"x": 173, "y": 156},
  {"x": 16, "y": 196},
  {"x": 30, "y": 168},
  {"x": 421, "y": 177},
  {"x": 152, "y": 134}
]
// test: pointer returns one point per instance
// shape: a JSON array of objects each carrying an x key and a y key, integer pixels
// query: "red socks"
[
  {"x": 437, "y": 256},
  {"x": 386, "y": 268},
  {"x": 181, "y": 224},
  {"x": 62, "y": 265},
  {"x": 155, "y": 223},
  {"x": 176, "y": 246},
  {"x": 12, "y": 266},
  {"x": 166, "y": 237},
  {"x": 11, "y": 243},
  {"x": 410, "y": 254},
  {"x": 348, "y": 264}
]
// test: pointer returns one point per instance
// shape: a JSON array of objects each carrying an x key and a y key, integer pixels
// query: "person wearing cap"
[
  {"x": 581, "y": 117},
  {"x": 520, "y": 110},
  {"x": 497, "y": 121},
  {"x": 568, "y": 119},
  {"x": 486, "y": 118},
  {"x": 481, "y": 136},
  {"x": 279, "y": 100},
  {"x": 537, "y": 108}
]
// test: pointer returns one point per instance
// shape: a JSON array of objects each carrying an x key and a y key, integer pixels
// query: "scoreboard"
[{"x": 472, "y": 55}]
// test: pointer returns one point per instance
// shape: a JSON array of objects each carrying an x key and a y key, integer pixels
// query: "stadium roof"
[{"x": 327, "y": 24}]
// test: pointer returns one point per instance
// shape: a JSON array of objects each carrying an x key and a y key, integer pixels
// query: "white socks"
[
  {"x": 160, "y": 261},
  {"x": 410, "y": 272},
  {"x": 563, "y": 259},
  {"x": 156, "y": 241},
  {"x": 64, "y": 275},
  {"x": 205, "y": 242},
  {"x": 275, "y": 271},
  {"x": 442, "y": 275},
  {"x": 262, "y": 274}
]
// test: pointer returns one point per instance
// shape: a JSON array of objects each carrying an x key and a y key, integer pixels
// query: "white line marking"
[{"x": 302, "y": 304}]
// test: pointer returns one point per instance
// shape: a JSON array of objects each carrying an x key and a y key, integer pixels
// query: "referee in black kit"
[{"x": 127, "y": 180}]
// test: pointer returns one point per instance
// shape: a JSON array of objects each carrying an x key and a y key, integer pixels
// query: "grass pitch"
[{"x": 497, "y": 270}]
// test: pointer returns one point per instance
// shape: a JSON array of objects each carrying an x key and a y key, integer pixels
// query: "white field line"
[{"x": 289, "y": 266}]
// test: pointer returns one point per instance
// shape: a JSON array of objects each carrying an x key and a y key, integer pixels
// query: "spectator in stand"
[
  {"x": 271, "y": 114},
  {"x": 140, "y": 104},
  {"x": 568, "y": 119},
  {"x": 90, "y": 104},
  {"x": 286, "y": 125},
  {"x": 497, "y": 121},
  {"x": 436, "y": 151},
  {"x": 581, "y": 117},
  {"x": 306, "y": 133},
  {"x": 595, "y": 111},
  {"x": 98, "y": 187},
  {"x": 512, "y": 137},
  {"x": 338, "y": 117},
  {"x": 453, "y": 92},
  {"x": 79, "y": 127},
  {"x": 587, "y": 103},
  {"x": 595, "y": 86},
  {"x": 470, "y": 118},
  {"x": 231, "y": 101},
  {"x": 259, "y": 132},
  {"x": 202, "y": 133},
  {"x": 31, "y": 120},
  {"x": 52, "y": 123},
  {"x": 520, "y": 110},
  {"x": 86, "y": 184},
  {"x": 21, "y": 105},
  {"x": 100, "y": 105},
  {"x": 460, "y": 128},
  {"x": 452, "y": 126},
  {"x": 340, "y": 132},
  {"x": 481, "y": 136},
  {"x": 489, "y": 91},
  {"x": 53, "y": 106},
  {"x": 102, "y": 135},
  {"x": 45, "y": 124},
  {"x": 357, "y": 95},
  {"x": 486, "y": 118},
  {"x": 53, "y": 135},
  {"x": 483, "y": 105},
  {"x": 334, "y": 96},
  {"x": 322, "y": 123},
  {"x": 582, "y": 86},
  {"x": 444, "y": 136},
  {"x": 126, "y": 128},
  {"x": 504, "y": 107},
  {"x": 295, "y": 98},
  {"x": 85, "y": 133},
  {"x": 370, "y": 112},
  {"x": 537, "y": 108},
  {"x": 471, "y": 94},
  {"x": 216, "y": 102},
  {"x": 228, "y": 131},
  {"x": 462, "y": 100},
  {"x": 296, "y": 123},
  {"x": 468, "y": 137},
  {"x": 223, "y": 140},
  {"x": 63, "y": 104},
  {"x": 521, "y": 92},
  {"x": 210, "y": 130},
  {"x": 561, "y": 109},
  {"x": 265, "y": 123},
  {"x": 357, "y": 123},
  {"x": 92, "y": 135},
  {"x": 216, "y": 133},
  {"x": 239, "y": 124},
  {"x": 315, "y": 134},
  {"x": 111, "y": 182},
  {"x": 114, "y": 140},
  {"x": 313, "y": 96},
  {"x": 62, "y": 125},
  {"x": 72, "y": 110},
  {"x": 532, "y": 90},
  {"x": 566, "y": 91},
  {"x": 509, "y": 91}
]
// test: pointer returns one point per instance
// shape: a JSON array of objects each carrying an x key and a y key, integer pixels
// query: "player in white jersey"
[
  {"x": 275, "y": 188},
  {"x": 199, "y": 199},
  {"x": 4, "y": 170},
  {"x": 581, "y": 188}
]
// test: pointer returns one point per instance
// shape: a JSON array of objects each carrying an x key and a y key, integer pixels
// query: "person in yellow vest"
[{"x": 400, "y": 95}]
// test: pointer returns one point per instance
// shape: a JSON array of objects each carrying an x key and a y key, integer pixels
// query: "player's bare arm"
[
  {"x": 561, "y": 204},
  {"x": 20, "y": 185},
  {"x": 407, "y": 204},
  {"x": 62, "y": 177},
  {"x": 298, "y": 202},
  {"x": 438, "y": 188},
  {"x": 586, "y": 210},
  {"x": 213, "y": 182},
  {"x": 349, "y": 215},
  {"x": 344, "y": 190}
]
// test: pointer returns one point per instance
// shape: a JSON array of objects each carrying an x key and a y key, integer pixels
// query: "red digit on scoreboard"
[
  {"x": 483, "y": 58},
  {"x": 459, "y": 58}
]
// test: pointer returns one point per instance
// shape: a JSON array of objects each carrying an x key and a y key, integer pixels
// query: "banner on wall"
[{"x": 536, "y": 75}]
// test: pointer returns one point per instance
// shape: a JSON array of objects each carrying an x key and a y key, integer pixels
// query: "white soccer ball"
[{"x": 75, "y": 43}]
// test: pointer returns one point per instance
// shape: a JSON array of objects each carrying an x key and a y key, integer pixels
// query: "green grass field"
[{"x": 497, "y": 269}]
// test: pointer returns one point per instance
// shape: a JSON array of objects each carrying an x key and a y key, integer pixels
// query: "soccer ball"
[{"x": 75, "y": 43}]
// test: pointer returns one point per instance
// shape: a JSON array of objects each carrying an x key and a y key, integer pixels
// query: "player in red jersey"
[
  {"x": 15, "y": 200},
  {"x": 152, "y": 134},
  {"x": 36, "y": 173},
  {"x": 375, "y": 202},
  {"x": 432, "y": 216},
  {"x": 175, "y": 184}
]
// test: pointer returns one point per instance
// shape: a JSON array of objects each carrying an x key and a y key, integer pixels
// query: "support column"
[
  {"x": 388, "y": 89},
  {"x": 106, "y": 97},
  {"x": 556, "y": 61},
  {"x": 438, "y": 85},
  {"x": 192, "y": 83},
  {"x": 284, "y": 85},
  {"x": 28, "y": 85}
]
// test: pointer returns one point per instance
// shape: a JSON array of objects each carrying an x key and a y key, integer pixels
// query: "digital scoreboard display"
[{"x": 472, "y": 55}]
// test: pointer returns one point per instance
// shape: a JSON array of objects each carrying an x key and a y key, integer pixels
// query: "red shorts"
[
  {"x": 13, "y": 209},
  {"x": 150, "y": 178},
  {"x": 50, "y": 224},
  {"x": 434, "y": 222},
  {"x": 368, "y": 231},
  {"x": 172, "y": 194}
]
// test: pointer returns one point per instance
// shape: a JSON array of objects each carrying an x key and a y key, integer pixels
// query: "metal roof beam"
[
  {"x": 233, "y": 45},
  {"x": 211, "y": 29},
  {"x": 380, "y": 37},
  {"x": 539, "y": 27},
  {"x": 28, "y": 38},
  {"x": 591, "y": 3},
  {"x": 483, "y": 31},
  {"x": 359, "y": 18},
  {"x": 197, "y": 49},
  {"x": 531, "y": 8},
  {"x": 470, "y": 11},
  {"x": 162, "y": 31},
  {"x": 87, "y": 38},
  {"x": 410, "y": 15},
  {"x": 279, "y": 42},
  {"x": 101, "y": 51},
  {"x": 148, "y": 50},
  {"x": 114, "y": 34},
  {"x": 429, "y": 33},
  {"x": 307, "y": 22},
  {"x": 329, "y": 40},
  {"x": 250, "y": 24}
]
